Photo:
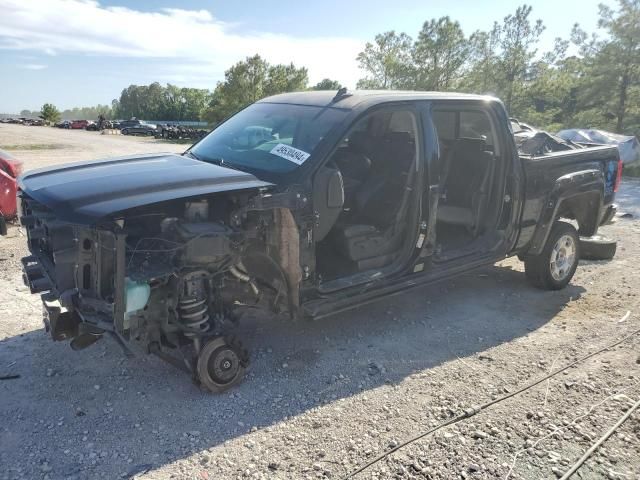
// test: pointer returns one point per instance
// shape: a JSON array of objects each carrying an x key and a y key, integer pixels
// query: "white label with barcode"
[{"x": 290, "y": 153}]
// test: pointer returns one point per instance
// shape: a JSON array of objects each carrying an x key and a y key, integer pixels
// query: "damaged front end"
[{"x": 173, "y": 276}]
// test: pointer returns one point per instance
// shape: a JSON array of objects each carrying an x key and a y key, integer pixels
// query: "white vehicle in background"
[{"x": 628, "y": 145}]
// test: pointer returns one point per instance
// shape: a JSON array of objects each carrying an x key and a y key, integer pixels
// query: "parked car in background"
[
  {"x": 79, "y": 124},
  {"x": 134, "y": 122},
  {"x": 10, "y": 164},
  {"x": 180, "y": 132},
  {"x": 92, "y": 126},
  {"x": 34, "y": 122},
  {"x": 628, "y": 145},
  {"x": 10, "y": 169},
  {"x": 142, "y": 128},
  {"x": 63, "y": 124},
  {"x": 7, "y": 197}
]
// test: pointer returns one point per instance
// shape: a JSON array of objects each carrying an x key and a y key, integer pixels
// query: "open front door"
[{"x": 379, "y": 164}]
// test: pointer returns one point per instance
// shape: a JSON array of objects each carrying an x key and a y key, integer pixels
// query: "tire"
[
  {"x": 597, "y": 247},
  {"x": 555, "y": 266},
  {"x": 125, "y": 132},
  {"x": 221, "y": 365}
]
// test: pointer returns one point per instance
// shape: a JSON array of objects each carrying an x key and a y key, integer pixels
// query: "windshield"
[{"x": 269, "y": 137}]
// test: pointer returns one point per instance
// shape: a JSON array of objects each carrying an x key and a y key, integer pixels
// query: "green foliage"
[
  {"x": 249, "y": 81},
  {"x": 517, "y": 39},
  {"x": 612, "y": 68},
  {"x": 156, "y": 102},
  {"x": 597, "y": 87},
  {"x": 600, "y": 87},
  {"x": 327, "y": 84},
  {"x": 49, "y": 113},
  {"x": 387, "y": 62},
  {"x": 439, "y": 55},
  {"x": 482, "y": 69},
  {"x": 87, "y": 113}
]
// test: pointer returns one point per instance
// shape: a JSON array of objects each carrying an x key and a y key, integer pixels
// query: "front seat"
[
  {"x": 354, "y": 163},
  {"x": 376, "y": 224},
  {"x": 467, "y": 180}
]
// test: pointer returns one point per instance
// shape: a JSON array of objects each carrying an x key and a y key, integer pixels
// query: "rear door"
[{"x": 488, "y": 212}]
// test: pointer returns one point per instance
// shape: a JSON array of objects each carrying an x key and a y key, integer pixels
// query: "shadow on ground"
[{"x": 103, "y": 415}]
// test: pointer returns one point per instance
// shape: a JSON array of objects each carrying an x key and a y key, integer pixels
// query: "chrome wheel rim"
[{"x": 563, "y": 256}]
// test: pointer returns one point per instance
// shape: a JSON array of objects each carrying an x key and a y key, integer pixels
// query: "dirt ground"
[{"x": 322, "y": 398}]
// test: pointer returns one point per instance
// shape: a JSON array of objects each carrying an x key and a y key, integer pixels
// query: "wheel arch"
[{"x": 576, "y": 196}]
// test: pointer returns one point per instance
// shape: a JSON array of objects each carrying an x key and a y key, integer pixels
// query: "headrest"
[
  {"x": 359, "y": 142},
  {"x": 473, "y": 144},
  {"x": 346, "y": 155},
  {"x": 399, "y": 137}
]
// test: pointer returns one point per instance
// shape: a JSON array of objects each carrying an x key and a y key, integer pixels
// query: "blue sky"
[{"x": 84, "y": 52}]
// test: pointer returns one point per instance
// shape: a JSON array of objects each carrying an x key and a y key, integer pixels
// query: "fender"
[{"x": 577, "y": 186}]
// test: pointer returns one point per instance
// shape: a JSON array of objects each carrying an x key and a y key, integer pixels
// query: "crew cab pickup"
[{"x": 306, "y": 204}]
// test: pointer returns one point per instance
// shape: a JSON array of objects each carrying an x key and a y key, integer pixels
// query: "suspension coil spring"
[{"x": 194, "y": 316}]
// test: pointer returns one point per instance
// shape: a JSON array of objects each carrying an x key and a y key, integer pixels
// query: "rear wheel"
[{"x": 555, "y": 266}]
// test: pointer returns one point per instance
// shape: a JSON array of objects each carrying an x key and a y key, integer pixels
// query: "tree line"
[
  {"x": 245, "y": 82},
  {"x": 77, "y": 113},
  {"x": 586, "y": 80}
]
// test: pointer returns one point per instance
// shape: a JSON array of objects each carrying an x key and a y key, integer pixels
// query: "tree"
[
  {"x": 49, "y": 113},
  {"x": 612, "y": 66},
  {"x": 518, "y": 36},
  {"x": 250, "y": 80},
  {"x": 87, "y": 113},
  {"x": 387, "y": 61},
  {"x": 157, "y": 102},
  {"x": 482, "y": 72},
  {"x": 285, "y": 78},
  {"x": 553, "y": 89},
  {"x": 327, "y": 84},
  {"x": 439, "y": 54}
]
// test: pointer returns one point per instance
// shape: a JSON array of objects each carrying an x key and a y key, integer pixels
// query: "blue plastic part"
[{"x": 136, "y": 295}]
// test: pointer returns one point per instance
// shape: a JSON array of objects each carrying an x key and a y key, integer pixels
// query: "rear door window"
[{"x": 455, "y": 124}]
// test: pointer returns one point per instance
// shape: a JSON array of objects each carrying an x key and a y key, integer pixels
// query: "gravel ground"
[
  {"x": 322, "y": 398},
  {"x": 43, "y": 146}
]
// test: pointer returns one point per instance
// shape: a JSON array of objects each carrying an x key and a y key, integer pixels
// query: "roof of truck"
[{"x": 325, "y": 98}]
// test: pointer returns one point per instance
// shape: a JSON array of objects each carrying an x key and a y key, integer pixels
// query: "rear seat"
[{"x": 466, "y": 184}]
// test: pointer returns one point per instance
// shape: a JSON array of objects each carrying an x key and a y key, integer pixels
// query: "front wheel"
[
  {"x": 221, "y": 364},
  {"x": 555, "y": 266}
]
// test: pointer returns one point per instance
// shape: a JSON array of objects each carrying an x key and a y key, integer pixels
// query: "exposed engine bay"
[{"x": 174, "y": 276}]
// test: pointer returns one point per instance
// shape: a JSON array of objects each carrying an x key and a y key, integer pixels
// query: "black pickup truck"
[{"x": 306, "y": 204}]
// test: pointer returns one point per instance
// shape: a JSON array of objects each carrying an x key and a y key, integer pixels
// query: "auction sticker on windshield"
[{"x": 290, "y": 153}]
